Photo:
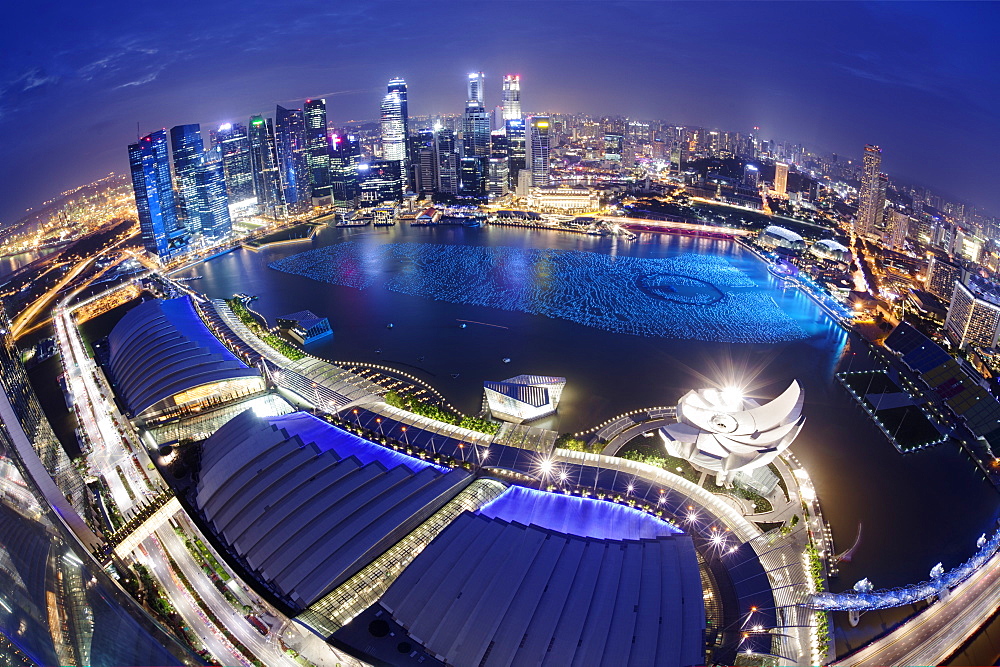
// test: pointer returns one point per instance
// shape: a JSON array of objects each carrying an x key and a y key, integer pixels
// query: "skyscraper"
[
  {"x": 234, "y": 146},
  {"x": 162, "y": 233},
  {"x": 425, "y": 164},
  {"x": 345, "y": 157},
  {"x": 318, "y": 151},
  {"x": 516, "y": 151},
  {"x": 216, "y": 223},
  {"x": 264, "y": 161},
  {"x": 475, "y": 131},
  {"x": 512, "y": 97},
  {"x": 539, "y": 127},
  {"x": 381, "y": 181},
  {"x": 780, "y": 178},
  {"x": 898, "y": 228},
  {"x": 293, "y": 159},
  {"x": 447, "y": 159},
  {"x": 974, "y": 315},
  {"x": 394, "y": 122},
  {"x": 870, "y": 203},
  {"x": 187, "y": 148},
  {"x": 477, "y": 88},
  {"x": 472, "y": 174},
  {"x": 613, "y": 146},
  {"x": 751, "y": 176},
  {"x": 498, "y": 176}
]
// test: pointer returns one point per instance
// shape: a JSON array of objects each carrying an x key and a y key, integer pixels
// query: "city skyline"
[{"x": 865, "y": 92}]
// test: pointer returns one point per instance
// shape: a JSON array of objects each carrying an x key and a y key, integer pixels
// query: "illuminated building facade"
[
  {"x": 539, "y": 131},
  {"x": 871, "y": 197},
  {"x": 780, "y": 178},
  {"x": 942, "y": 276},
  {"x": 524, "y": 397},
  {"x": 381, "y": 181},
  {"x": 516, "y": 151},
  {"x": 447, "y": 162},
  {"x": 345, "y": 160},
  {"x": 187, "y": 151},
  {"x": 564, "y": 199},
  {"x": 293, "y": 159},
  {"x": 394, "y": 122},
  {"x": 318, "y": 151},
  {"x": 216, "y": 223},
  {"x": 234, "y": 146},
  {"x": 162, "y": 232},
  {"x": 264, "y": 161},
  {"x": 512, "y": 97},
  {"x": 973, "y": 316}
]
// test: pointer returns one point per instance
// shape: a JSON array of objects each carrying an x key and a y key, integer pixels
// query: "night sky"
[{"x": 921, "y": 79}]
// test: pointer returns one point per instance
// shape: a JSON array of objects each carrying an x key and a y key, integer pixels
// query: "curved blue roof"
[
  {"x": 583, "y": 517},
  {"x": 326, "y": 437},
  {"x": 161, "y": 348}
]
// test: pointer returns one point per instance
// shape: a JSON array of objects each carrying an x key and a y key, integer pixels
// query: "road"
[{"x": 934, "y": 634}]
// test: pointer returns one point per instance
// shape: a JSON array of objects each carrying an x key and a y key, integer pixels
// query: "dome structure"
[{"x": 724, "y": 432}]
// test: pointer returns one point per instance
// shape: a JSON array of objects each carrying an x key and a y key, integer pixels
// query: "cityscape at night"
[{"x": 577, "y": 333}]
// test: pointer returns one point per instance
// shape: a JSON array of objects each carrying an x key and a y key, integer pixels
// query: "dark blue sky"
[{"x": 921, "y": 79}]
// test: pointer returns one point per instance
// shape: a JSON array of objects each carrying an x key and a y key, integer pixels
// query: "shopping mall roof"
[
  {"x": 305, "y": 505},
  {"x": 161, "y": 348}
]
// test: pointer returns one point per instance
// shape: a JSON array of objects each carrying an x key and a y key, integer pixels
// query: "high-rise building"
[
  {"x": 751, "y": 176},
  {"x": 472, "y": 175},
  {"x": 516, "y": 150},
  {"x": 187, "y": 150},
  {"x": 942, "y": 276},
  {"x": 475, "y": 131},
  {"x": 512, "y": 97},
  {"x": 234, "y": 147},
  {"x": 293, "y": 159},
  {"x": 780, "y": 178},
  {"x": 394, "y": 123},
  {"x": 264, "y": 161},
  {"x": 425, "y": 163},
  {"x": 897, "y": 229},
  {"x": 539, "y": 131},
  {"x": 974, "y": 315},
  {"x": 871, "y": 197},
  {"x": 345, "y": 159},
  {"x": 447, "y": 161},
  {"x": 477, "y": 88},
  {"x": 498, "y": 176},
  {"x": 318, "y": 151},
  {"x": 381, "y": 182},
  {"x": 679, "y": 151},
  {"x": 216, "y": 223},
  {"x": 162, "y": 233}
]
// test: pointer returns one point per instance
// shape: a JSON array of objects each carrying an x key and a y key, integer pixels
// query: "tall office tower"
[
  {"x": 516, "y": 152},
  {"x": 942, "y": 276},
  {"x": 318, "y": 152},
  {"x": 751, "y": 176},
  {"x": 162, "y": 233},
  {"x": 883, "y": 185},
  {"x": 234, "y": 147},
  {"x": 974, "y": 315},
  {"x": 898, "y": 228},
  {"x": 472, "y": 172},
  {"x": 394, "y": 123},
  {"x": 447, "y": 161},
  {"x": 477, "y": 88},
  {"x": 475, "y": 131},
  {"x": 780, "y": 178},
  {"x": 293, "y": 158},
  {"x": 264, "y": 160},
  {"x": 498, "y": 175},
  {"x": 539, "y": 131},
  {"x": 614, "y": 145},
  {"x": 870, "y": 204},
  {"x": 345, "y": 158},
  {"x": 512, "y": 97},
  {"x": 425, "y": 163},
  {"x": 216, "y": 223},
  {"x": 187, "y": 149},
  {"x": 382, "y": 182},
  {"x": 679, "y": 153}
]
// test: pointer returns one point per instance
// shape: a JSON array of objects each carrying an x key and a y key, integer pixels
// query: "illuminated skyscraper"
[
  {"x": 539, "y": 130},
  {"x": 162, "y": 233},
  {"x": 477, "y": 88},
  {"x": 871, "y": 197},
  {"x": 394, "y": 122},
  {"x": 516, "y": 151},
  {"x": 512, "y": 97},
  {"x": 780, "y": 178},
  {"x": 187, "y": 148},
  {"x": 318, "y": 151},
  {"x": 898, "y": 228},
  {"x": 498, "y": 176},
  {"x": 751, "y": 176},
  {"x": 293, "y": 160},
  {"x": 381, "y": 182},
  {"x": 234, "y": 146},
  {"x": 974, "y": 315},
  {"x": 216, "y": 223},
  {"x": 425, "y": 165},
  {"x": 264, "y": 161},
  {"x": 472, "y": 174},
  {"x": 613, "y": 146},
  {"x": 345, "y": 157},
  {"x": 447, "y": 159}
]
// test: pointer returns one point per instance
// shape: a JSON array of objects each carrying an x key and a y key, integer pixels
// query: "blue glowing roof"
[
  {"x": 584, "y": 517},
  {"x": 345, "y": 444}
]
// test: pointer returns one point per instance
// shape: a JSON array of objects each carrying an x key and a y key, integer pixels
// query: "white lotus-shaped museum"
[{"x": 724, "y": 432}]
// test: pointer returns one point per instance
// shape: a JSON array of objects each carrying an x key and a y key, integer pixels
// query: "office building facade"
[
  {"x": 293, "y": 159},
  {"x": 539, "y": 131},
  {"x": 318, "y": 151},
  {"x": 163, "y": 234}
]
